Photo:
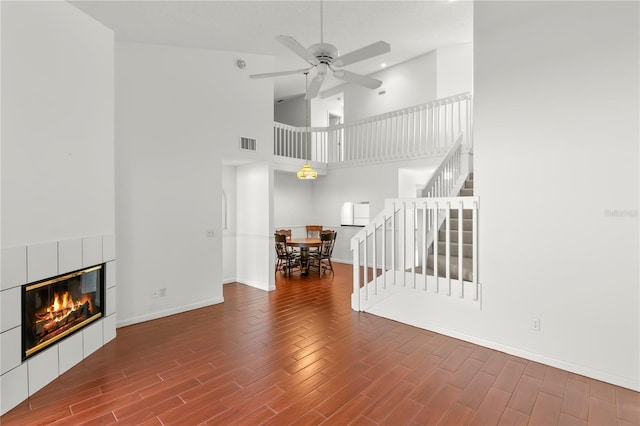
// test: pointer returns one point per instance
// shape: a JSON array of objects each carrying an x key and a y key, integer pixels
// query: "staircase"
[
  {"x": 455, "y": 250},
  {"x": 427, "y": 245}
]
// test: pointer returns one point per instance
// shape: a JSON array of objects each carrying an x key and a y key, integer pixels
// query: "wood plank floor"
[{"x": 300, "y": 355}]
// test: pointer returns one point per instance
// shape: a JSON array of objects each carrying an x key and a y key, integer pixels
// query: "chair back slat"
[{"x": 313, "y": 231}]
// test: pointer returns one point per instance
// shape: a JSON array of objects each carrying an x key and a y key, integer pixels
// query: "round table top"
[{"x": 304, "y": 242}]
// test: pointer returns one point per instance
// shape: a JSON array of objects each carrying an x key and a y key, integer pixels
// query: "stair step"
[
  {"x": 466, "y": 213},
  {"x": 467, "y": 249},
  {"x": 466, "y": 192},
  {"x": 468, "y": 184},
  {"x": 467, "y": 236},
  {"x": 467, "y": 224},
  {"x": 467, "y": 267}
]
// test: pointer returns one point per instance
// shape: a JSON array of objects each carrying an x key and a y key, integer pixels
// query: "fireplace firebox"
[{"x": 57, "y": 307}]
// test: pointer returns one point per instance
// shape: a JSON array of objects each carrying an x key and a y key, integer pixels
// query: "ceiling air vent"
[{"x": 247, "y": 144}]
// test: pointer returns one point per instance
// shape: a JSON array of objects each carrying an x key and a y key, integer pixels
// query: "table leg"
[{"x": 304, "y": 259}]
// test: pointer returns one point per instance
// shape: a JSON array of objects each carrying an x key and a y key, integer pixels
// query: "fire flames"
[
  {"x": 63, "y": 312},
  {"x": 63, "y": 304}
]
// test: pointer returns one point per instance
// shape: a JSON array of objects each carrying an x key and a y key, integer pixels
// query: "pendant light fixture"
[{"x": 306, "y": 172}]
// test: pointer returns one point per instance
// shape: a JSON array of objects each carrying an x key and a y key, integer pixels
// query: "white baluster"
[
  {"x": 384, "y": 252},
  {"x": 366, "y": 266},
  {"x": 356, "y": 276},
  {"x": 474, "y": 242},
  {"x": 393, "y": 242},
  {"x": 375, "y": 260},
  {"x": 436, "y": 232},
  {"x": 424, "y": 243},
  {"x": 460, "y": 253},
  {"x": 448, "y": 246}
]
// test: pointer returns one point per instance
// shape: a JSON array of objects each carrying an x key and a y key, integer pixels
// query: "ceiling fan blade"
[
  {"x": 279, "y": 73},
  {"x": 363, "y": 53},
  {"x": 314, "y": 87},
  {"x": 359, "y": 79},
  {"x": 297, "y": 48}
]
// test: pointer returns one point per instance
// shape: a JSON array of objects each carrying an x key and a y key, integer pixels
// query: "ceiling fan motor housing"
[{"x": 325, "y": 53}]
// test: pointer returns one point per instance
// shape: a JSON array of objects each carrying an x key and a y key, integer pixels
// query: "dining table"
[{"x": 304, "y": 244}]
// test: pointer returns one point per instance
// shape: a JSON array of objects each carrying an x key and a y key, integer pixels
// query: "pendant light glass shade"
[{"x": 306, "y": 172}]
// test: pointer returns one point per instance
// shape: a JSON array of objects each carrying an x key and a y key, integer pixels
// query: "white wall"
[
  {"x": 57, "y": 176},
  {"x": 454, "y": 70},
  {"x": 175, "y": 121},
  {"x": 407, "y": 84},
  {"x": 57, "y": 133},
  {"x": 229, "y": 234},
  {"x": 293, "y": 203},
  {"x": 574, "y": 72},
  {"x": 291, "y": 112},
  {"x": 254, "y": 224},
  {"x": 556, "y": 148}
]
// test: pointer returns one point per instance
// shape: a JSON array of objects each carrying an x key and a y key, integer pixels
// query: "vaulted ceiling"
[{"x": 412, "y": 28}]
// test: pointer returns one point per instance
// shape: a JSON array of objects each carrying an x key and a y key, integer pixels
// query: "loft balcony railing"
[{"x": 419, "y": 131}]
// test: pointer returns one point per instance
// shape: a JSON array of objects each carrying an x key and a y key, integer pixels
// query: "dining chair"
[
  {"x": 322, "y": 257},
  {"x": 286, "y": 232},
  {"x": 286, "y": 258},
  {"x": 313, "y": 231}
]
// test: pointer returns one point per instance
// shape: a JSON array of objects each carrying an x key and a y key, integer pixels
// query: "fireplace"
[{"x": 57, "y": 307}]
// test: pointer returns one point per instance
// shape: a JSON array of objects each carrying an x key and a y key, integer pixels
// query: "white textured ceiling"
[{"x": 411, "y": 27}]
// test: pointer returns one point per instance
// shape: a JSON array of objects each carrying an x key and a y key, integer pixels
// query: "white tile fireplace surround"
[{"x": 26, "y": 264}]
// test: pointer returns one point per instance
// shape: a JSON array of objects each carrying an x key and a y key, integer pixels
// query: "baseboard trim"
[
  {"x": 624, "y": 382},
  {"x": 168, "y": 312}
]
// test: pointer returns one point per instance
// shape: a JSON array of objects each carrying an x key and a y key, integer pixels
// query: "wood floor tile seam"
[{"x": 226, "y": 364}]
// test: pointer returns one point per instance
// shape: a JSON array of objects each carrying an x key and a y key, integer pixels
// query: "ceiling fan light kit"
[{"x": 325, "y": 58}]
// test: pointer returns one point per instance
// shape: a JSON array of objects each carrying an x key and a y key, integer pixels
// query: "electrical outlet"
[
  {"x": 535, "y": 324},
  {"x": 155, "y": 293},
  {"x": 163, "y": 292},
  {"x": 211, "y": 233}
]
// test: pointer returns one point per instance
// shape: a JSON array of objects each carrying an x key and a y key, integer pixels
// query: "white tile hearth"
[
  {"x": 14, "y": 267},
  {"x": 43, "y": 369},
  {"x": 109, "y": 328},
  {"x": 69, "y": 255},
  {"x": 111, "y": 274},
  {"x": 93, "y": 338},
  {"x": 91, "y": 251},
  {"x": 70, "y": 352},
  {"x": 11, "y": 348},
  {"x": 108, "y": 248},
  {"x": 14, "y": 388},
  {"x": 26, "y": 264},
  {"x": 10, "y": 308},
  {"x": 42, "y": 261},
  {"x": 111, "y": 301}
]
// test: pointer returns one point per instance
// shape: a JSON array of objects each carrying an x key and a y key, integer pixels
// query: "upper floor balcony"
[{"x": 424, "y": 130}]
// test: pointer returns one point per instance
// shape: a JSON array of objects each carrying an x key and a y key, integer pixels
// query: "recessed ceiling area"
[{"x": 412, "y": 28}]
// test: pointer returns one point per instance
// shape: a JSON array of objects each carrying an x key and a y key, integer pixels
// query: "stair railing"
[
  {"x": 447, "y": 179},
  {"x": 422, "y": 130},
  {"x": 391, "y": 252}
]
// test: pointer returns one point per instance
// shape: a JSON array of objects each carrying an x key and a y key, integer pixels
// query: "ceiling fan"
[{"x": 324, "y": 57}]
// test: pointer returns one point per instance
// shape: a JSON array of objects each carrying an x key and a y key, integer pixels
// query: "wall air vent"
[{"x": 247, "y": 144}]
